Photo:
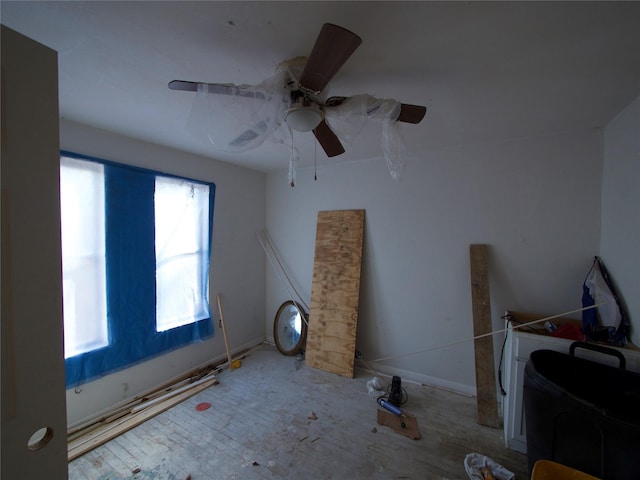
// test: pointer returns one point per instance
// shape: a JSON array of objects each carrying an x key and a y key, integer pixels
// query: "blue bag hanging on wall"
[{"x": 608, "y": 322}]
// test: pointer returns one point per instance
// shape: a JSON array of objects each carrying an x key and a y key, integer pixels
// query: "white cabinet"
[
  {"x": 518, "y": 347},
  {"x": 517, "y": 350}
]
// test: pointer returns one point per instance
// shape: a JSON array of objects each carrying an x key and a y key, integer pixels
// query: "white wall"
[
  {"x": 237, "y": 263},
  {"x": 620, "y": 236},
  {"x": 534, "y": 201}
]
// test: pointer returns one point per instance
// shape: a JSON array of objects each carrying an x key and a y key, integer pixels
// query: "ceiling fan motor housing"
[
  {"x": 303, "y": 118},
  {"x": 303, "y": 115}
]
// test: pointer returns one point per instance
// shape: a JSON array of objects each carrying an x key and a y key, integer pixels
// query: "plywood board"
[
  {"x": 487, "y": 406},
  {"x": 335, "y": 291}
]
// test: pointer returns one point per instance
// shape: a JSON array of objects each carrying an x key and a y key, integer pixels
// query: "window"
[
  {"x": 83, "y": 256},
  {"x": 135, "y": 256},
  {"x": 181, "y": 213}
]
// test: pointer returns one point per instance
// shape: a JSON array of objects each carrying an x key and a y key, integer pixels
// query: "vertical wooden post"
[{"x": 485, "y": 370}]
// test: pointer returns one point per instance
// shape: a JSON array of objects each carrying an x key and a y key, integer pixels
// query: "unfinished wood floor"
[{"x": 276, "y": 418}]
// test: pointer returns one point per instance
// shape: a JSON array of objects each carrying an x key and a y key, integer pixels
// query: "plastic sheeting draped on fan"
[
  {"x": 237, "y": 118},
  {"x": 347, "y": 121}
]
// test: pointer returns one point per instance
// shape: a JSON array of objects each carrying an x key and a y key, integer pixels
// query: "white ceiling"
[{"x": 486, "y": 71}]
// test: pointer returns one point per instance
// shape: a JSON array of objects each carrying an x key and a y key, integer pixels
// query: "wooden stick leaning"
[
  {"x": 487, "y": 404},
  {"x": 224, "y": 331}
]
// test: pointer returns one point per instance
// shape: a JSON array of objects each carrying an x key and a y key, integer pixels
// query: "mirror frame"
[{"x": 303, "y": 332}]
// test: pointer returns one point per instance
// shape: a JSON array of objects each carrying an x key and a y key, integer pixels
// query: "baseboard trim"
[
  {"x": 418, "y": 378},
  {"x": 218, "y": 359}
]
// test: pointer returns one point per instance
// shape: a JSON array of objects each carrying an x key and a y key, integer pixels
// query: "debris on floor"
[
  {"x": 299, "y": 360},
  {"x": 279, "y": 421},
  {"x": 96, "y": 432},
  {"x": 391, "y": 415},
  {"x": 201, "y": 407},
  {"x": 480, "y": 467},
  {"x": 374, "y": 386},
  {"x": 403, "y": 424}
]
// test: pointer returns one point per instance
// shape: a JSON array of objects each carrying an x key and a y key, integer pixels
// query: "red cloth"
[{"x": 570, "y": 331}]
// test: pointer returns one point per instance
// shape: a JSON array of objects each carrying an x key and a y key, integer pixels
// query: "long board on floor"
[
  {"x": 335, "y": 291},
  {"x": 108, "y": 431}
]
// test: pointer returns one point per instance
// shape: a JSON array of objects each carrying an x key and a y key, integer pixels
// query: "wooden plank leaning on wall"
[
  {"x": 487, "y": 406},
  {"x": 335, "y": 290}
]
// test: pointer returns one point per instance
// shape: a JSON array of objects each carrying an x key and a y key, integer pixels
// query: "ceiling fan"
[{"x": 298, "y": 98}]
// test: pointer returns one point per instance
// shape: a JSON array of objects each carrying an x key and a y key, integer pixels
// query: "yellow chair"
[{"x": 548, "y": 470}]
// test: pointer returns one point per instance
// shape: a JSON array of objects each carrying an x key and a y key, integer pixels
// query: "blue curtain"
[{"x": 131, "y": 277}]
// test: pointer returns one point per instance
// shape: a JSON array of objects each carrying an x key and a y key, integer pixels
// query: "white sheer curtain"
[
  {"x": 181, "y": 237},
  {"x": 83, "y": 256}
]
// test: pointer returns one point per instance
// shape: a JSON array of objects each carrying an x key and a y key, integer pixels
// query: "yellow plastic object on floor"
[{"x": 548, "y": 470}]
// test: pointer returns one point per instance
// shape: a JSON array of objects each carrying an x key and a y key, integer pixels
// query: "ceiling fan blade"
[
  {"x": 332, "y": 49},
  {"x": 328, "y": 140},
  {"x": 221, "y": 88},
  {"x": 408, "y": 113},
  {"x": 183, "y": 85},
  {"x": 411, "y": 113}
]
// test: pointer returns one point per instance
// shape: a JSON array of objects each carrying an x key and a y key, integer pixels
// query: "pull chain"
[
  {"x": 315, "y": 159},
  {"x": 291, "y": 159}
]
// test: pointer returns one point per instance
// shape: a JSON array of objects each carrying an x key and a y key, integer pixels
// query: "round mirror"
[{"x": 289, "y": 328}]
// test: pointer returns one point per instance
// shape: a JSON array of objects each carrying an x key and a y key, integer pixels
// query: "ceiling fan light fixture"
[{"x": 303, "y": 119}]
